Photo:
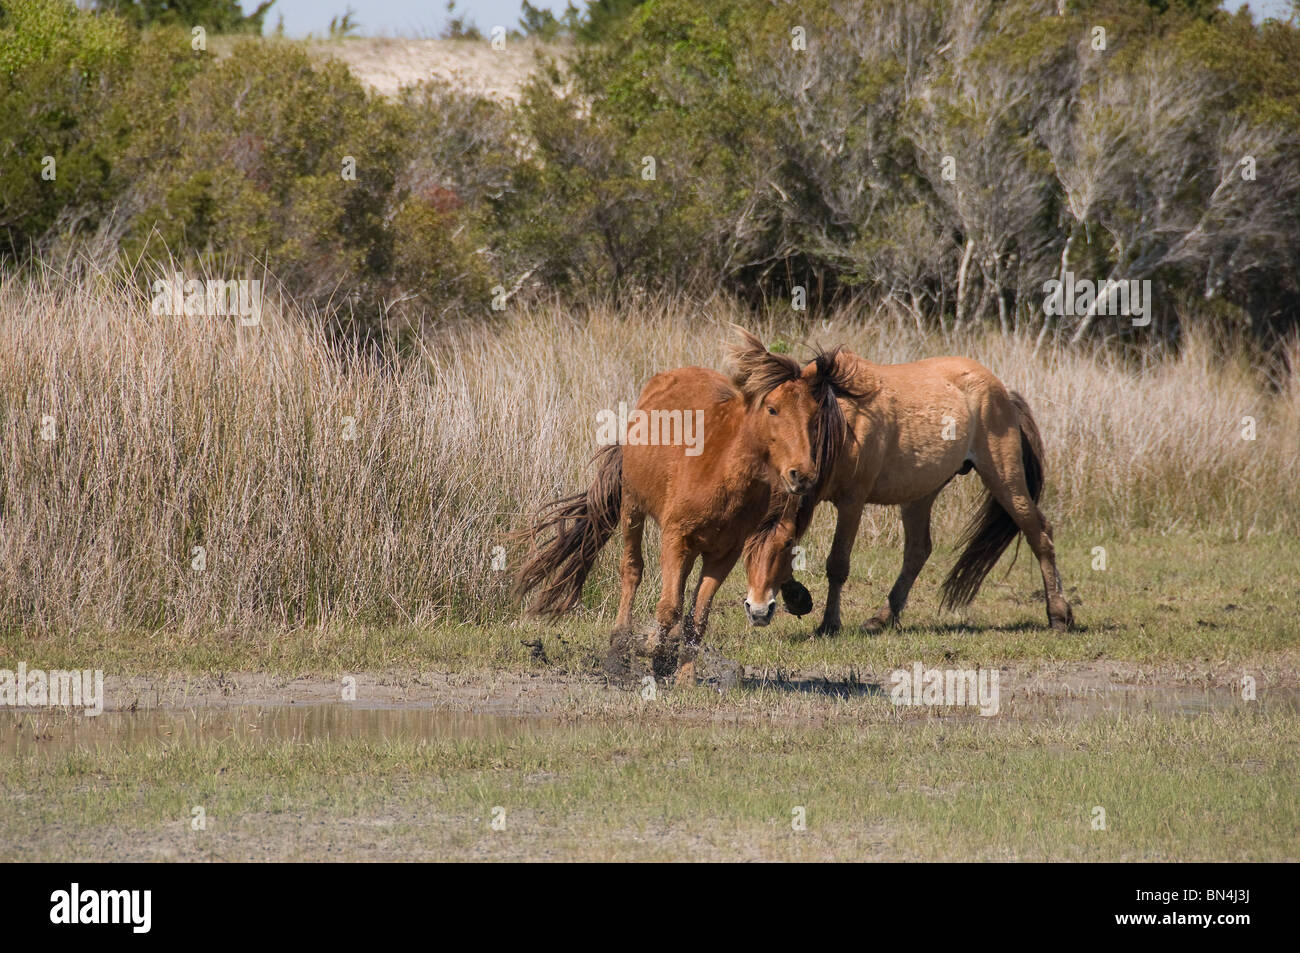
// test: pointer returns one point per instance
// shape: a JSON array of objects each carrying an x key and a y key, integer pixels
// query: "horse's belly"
[
  {"x": 894, "y": 490},
  {"x": 906, "y": 477}
]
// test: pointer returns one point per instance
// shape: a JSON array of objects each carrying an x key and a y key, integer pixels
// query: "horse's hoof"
[
  {"x": 798, "y": 600},
  {"x": 827, "y": 630},
  {"x": 875, "y": 625}
]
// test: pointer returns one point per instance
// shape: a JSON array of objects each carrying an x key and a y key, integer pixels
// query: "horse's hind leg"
[
  {"x": 1004, "y": 475},
  {"x": 633, "y": 564},
  {"x": 916, "y": 550},
  {"x": 632, "y": 524}
]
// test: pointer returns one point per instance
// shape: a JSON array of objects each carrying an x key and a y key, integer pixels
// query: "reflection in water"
[
  {"x": 55, "y": 731},
  {"x": 59, "y": 732}
]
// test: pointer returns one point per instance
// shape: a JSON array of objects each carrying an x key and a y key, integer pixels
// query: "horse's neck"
[
  {"x": 865, "y": 376},
  {"x": 743, "y": 452}
]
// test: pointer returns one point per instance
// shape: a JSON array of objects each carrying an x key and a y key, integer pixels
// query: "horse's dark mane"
[
  {"x": 727, "y": 391},
  {"x": 777, "y": 512},
  {"x": 830, "y": 383}
]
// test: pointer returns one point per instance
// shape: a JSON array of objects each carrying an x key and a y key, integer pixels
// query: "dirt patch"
[
  {"x": 1075, "y": 678},
  {"x": 493, "y": 693},
  {"x": 539, "y": 693}
]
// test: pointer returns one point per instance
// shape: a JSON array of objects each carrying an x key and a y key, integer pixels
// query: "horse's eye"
[{"x": 771, "y": 410}]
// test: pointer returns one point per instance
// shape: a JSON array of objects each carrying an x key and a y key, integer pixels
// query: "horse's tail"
[
  {"x": 581, "y": 524},
  {"x": 992, "y": 530}
]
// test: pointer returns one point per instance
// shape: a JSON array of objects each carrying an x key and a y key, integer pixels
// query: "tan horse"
[
  {"x": 770, "y": 434},
  {"x": 913, "y": 427}
]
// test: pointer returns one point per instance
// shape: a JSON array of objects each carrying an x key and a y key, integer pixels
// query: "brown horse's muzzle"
[
  {"x": 799, "y": 481},
  {"x": 760, "y": 614}
]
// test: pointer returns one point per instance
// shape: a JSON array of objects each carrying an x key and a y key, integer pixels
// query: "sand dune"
[{"x": 387, "y": 64}]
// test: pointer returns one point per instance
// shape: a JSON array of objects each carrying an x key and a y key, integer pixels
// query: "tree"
[{"x": 216, "y": 16}]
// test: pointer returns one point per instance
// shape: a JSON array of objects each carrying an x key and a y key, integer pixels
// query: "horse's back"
[
  {"x": 962, "y": 372},
  {"x": 686, "y": 388},
  {"x": 918, "y": 425},
  {"x": 665, "y": 475}
]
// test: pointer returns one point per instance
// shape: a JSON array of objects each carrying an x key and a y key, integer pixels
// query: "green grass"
[
  {"x": 702, "y": 775},
  {"x": 1211, "y": 787},
  {"x": 1180, "y": 598}
]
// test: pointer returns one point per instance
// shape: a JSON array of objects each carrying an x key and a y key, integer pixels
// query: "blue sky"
[
  {"x": 414, "y": 18},
  {"x": 396, "y": 17}
]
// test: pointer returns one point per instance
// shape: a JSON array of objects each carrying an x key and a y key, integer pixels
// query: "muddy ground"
[
  {"x": 592, "y": 770},
  {"x": 541, "y": 693}
]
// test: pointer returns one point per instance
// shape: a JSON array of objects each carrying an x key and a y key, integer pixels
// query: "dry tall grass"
[{"x": 173, "y": 433}]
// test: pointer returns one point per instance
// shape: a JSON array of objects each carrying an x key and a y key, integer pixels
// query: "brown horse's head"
[
  {"x": 785, "y": 425},
  {"x": 786, "y": 404},
  {"x": 769, "y": 560},
  {"x": 796, "y": 422}
]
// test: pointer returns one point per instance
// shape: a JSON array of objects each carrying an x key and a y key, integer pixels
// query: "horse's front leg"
[
  {"x": 714, "y": 571},
  {"x": 675, "y": 559},
  {"x": 847, "y": 518}
]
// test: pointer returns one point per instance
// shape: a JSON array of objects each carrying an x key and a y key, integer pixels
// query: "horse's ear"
[{"x": 753, "y": 368}]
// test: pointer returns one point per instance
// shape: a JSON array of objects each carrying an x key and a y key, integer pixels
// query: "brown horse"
[
  {"x": 770, "y": 432},
  {"x": 913, "y": 427}
]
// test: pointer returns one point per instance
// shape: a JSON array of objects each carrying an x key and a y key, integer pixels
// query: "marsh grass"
[{"x": 173, "y": 433}]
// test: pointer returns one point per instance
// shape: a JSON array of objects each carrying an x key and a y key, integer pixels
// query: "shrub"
[
  {"x": 216, "y": 16},
  {"x": 270, "y": 157},
  {"x": 57, "y": 64},
  {"x": 944, "y": 160},
  {"x": 941, "y": 161}
]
